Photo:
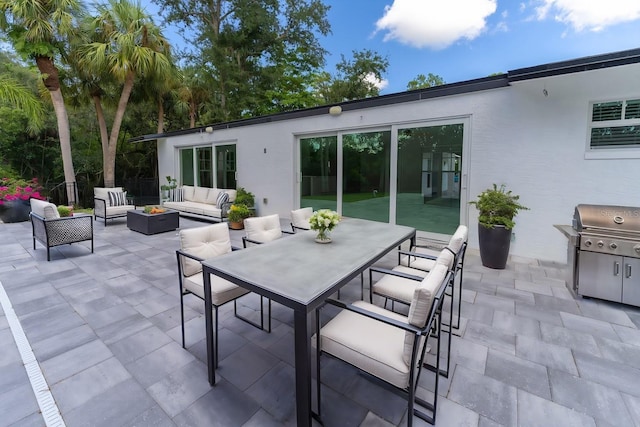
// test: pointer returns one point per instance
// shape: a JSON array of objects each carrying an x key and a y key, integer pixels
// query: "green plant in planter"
[
  {"x": 238, "y": 212},
  {"x": 65, "y": 211},
  {"x": 171, "y": 184},
  {"x": 497, "y": 206},
  {"x": 244, "y": 197}
]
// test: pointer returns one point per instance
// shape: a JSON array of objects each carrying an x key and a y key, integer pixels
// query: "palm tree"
[
  {"x": 18, "y": 95},
  {"x": 38, "y": 30},
  {"x": 127, "y": 45}
]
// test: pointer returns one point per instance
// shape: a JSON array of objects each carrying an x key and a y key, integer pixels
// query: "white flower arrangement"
[{"x": 322, "y": 221}]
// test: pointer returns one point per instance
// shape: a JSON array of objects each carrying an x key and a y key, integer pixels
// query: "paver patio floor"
[{"x": 105, "y": 329}]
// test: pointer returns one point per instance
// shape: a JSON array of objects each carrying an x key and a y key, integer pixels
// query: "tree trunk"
[
  {"x": 102, "y": 125},
  {"x": 160, "y": 115},
  {"x": 52, "y": 82},
  {"x": 110, "y": 160}
]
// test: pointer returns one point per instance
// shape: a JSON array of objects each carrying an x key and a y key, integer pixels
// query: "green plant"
[
  {"x": 65, "y": 211},
  {"x": 238, "y": 212},
  {"x": 170, "y": 185},
  {"x": 497, "y": 206},
  {"x": 244, "y": 197}
]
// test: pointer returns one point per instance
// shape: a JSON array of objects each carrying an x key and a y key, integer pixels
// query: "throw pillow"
[
  {"x": 117, "y": 198},
  {"x": 223, "y": 198},
  {"x": 177, "y": 195}
]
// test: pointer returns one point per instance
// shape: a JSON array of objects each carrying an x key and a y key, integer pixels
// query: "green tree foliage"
[
  {"x": 355, "y": 78},
  {"x": 246, "y": 48},
  {"x": 422, "y": 82},
  {"x": 39, "y": 30}
]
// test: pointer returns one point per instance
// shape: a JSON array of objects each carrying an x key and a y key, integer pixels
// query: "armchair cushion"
[
  {"x": 263, "y": 228},
  {"x": 103, "y": 193},
  {"x": 44, "y": 209},
  {"x": 203, "y": 242},
  {"x": 117, "y": 198}
]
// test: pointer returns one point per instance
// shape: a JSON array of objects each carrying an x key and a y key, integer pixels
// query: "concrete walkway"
[{"x": 105, "y": 330}]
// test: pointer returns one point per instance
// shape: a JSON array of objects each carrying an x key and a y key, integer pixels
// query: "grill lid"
[{"x": 616, "y": 219}]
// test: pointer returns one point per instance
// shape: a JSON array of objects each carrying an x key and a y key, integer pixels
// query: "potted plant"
[
  {"x": 171, "y": 184},
  {"x": 244, "y": 197},
  {"x": 497, "y": 208},
  {"x": 237, "y": 214}
]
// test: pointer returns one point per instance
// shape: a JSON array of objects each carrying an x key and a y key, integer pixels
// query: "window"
[{"x": 615, "y": 124}]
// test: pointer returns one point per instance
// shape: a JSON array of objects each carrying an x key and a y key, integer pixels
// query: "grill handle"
[
  {"x": 616, "y": 268},
  {"x": 627, "y": 268}
]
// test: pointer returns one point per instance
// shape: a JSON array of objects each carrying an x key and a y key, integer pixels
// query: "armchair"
[
  {"x": 387, "y": 345},
  {"x": 196, "y": 245},
  {"x": 49, "y": 229},
  {"x": 111, "y": 203}
]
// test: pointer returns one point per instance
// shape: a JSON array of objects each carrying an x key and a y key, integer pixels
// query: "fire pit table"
[{"x": 148, "y": 223}]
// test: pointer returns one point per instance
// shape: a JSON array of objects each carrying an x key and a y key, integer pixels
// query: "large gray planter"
[{"x": 494, "y": 246}]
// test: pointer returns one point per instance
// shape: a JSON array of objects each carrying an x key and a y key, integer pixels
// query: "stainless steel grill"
[{"x": 607, "y": 252}]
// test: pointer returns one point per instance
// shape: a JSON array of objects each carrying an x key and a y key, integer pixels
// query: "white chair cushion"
[
  {"x": 203, "y": 242},
  {"x": 368, "y": 344},
  {"x": 44, "y": 209},
  {"x": 300, "y": 217},
  {"x": 103, "y": 193},
  {"x": 395, "y": 287},
  {"x": 222, "y": 290},
  {"x": 263, "y": 228},
  {"x": 119, "y": 210},
  {"x": 458, "y": 238},
  {"x": 421, "y": 304}
]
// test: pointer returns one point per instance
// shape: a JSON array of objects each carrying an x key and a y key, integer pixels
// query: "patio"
[{"x": 105, "y": 329}]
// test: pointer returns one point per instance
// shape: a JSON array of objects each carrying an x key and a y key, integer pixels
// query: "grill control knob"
[
  {"x": 637, "y": 249},
  {"x": 600, "y": 244},
  {"x": 587, "y": 243},
  {"x": 613, "y": 245}
]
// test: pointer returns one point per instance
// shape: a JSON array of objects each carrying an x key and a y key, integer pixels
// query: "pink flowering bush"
[{"x": 19, "y": 189}]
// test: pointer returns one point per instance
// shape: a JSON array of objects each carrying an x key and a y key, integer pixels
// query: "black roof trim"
[
  {"x": 486, "y": 83},
  {"x": 586, "y": 63}
]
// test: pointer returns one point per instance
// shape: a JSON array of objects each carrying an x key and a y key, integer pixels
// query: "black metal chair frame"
[
  {"x": 432, "y": 329},
  {"x": 246, "y": 240},
  {"x": 184, "y": 292},
  {"x": 57, "y": 231}
]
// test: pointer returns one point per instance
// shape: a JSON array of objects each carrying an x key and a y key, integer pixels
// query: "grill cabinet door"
[
  {"x": 631, "y": 281},
  {"x": 600, "y": 276}
]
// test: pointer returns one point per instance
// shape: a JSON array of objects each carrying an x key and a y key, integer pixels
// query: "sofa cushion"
[
  {"x": 44, "y": 209},
  {"x": 200, "y": 194},
  {"x": 223, "y": 198},
  {"x": 117, "y": 198},
  {"x": 119, "y": 210},
  {"x": 212, "y": 196},
  {"x": 232, "y": 194},
  {"x": 187, "y": 192}
]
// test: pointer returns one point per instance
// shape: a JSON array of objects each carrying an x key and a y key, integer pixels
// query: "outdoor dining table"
[{"x": 301, "y": 274}]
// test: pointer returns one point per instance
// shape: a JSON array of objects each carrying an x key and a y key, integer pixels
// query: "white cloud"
[
  {"x": 380, "y": 84},
  {"x": 435, "y": 23},
  {"x": 590, "y": 15}
]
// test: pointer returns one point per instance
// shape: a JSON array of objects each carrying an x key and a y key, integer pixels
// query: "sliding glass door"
[{"x": 319, "y": 169}]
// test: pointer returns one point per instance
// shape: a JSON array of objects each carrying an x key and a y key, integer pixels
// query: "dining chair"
[
  {"x": 262, "y": 229},
  {"x": 197, "y": 245},
  {"x": 399, "y": 284},
  {"x": 422, "y": 257},
  {"x": 300, "y": 219},
  {"x": 387, "y": 345}
]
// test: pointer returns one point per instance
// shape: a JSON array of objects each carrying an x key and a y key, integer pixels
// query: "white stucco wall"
[{"x": 535, "y": 144}]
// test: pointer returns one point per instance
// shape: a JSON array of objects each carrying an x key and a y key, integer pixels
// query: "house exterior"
[{"x": 557, "y": 134}]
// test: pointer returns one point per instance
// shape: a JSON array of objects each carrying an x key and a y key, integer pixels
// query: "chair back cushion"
[
  {"x": 458, "y": 238},
  {"x": 203, "y": 242},
  {"x": 44, "y": 209},
  {"x": 300, "y": 217},
  {"x": 446, "y": 258},
  {"x": 421, "y": 304},
  {"x": 103, "y": 193},
  {"x": 263, "y": 228}
]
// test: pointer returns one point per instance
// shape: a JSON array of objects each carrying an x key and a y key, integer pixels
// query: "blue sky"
[{"x": 467, "y": 39}]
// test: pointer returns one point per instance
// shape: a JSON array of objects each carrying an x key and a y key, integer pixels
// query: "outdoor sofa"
[{"x": 210, "y": 204}]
